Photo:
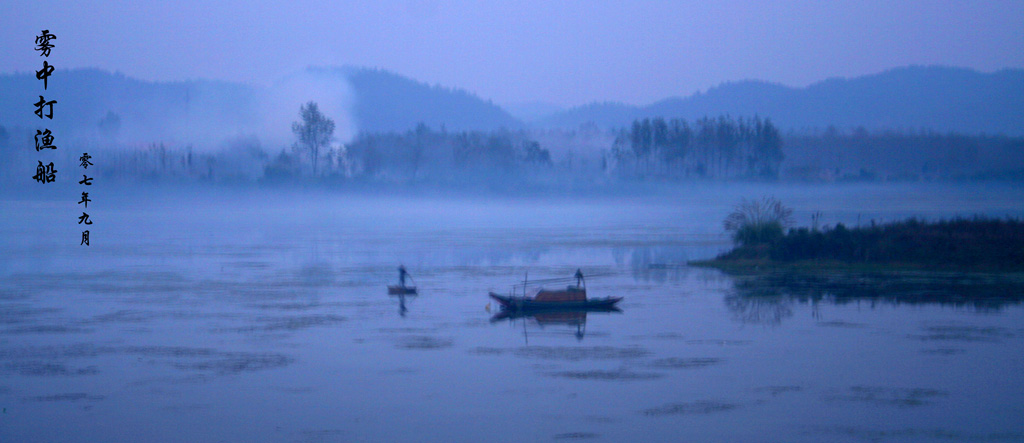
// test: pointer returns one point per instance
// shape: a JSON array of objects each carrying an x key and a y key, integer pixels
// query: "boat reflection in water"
[
  {"x": 401, "y": 301},
  {"x": 574, "y": 318}
]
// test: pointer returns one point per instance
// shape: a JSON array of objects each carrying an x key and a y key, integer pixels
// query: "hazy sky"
[{"x": 561, "y": 52}]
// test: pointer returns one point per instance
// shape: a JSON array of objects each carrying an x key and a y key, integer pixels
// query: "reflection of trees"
[
  {"x": 656, "y": 264},
  {"x": 762, "y": 309},
  {"x": 479, "y": 255},
  {"x": 769, "y": 297}
]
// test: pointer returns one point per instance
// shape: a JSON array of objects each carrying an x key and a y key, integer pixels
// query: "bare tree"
[
  {"x": 314, "y": 132},
  {"x": 754, "y": 222}
]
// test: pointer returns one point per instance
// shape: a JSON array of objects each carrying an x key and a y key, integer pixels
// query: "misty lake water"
[{"x": 213, "y": 315}]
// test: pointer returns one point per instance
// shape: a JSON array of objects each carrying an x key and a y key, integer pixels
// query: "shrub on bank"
[{"x": 978, "y": 242}]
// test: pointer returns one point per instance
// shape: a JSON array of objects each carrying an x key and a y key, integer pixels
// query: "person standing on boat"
[
  {"x": 579, "y": 277},
  {"x": 401, "y": 275}
]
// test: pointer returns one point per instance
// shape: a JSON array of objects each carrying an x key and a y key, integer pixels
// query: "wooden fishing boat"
[
  {"x": 401, "y": 290},
  {"x": 573, "y": 297}
]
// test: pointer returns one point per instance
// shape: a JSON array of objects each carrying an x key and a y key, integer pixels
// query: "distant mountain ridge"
[
  {"x": 933, "y": 97},
  {"x": 373, "y": 100},
  {"x": 937, "y": 98},
  {"x": 386, "y": 101}
]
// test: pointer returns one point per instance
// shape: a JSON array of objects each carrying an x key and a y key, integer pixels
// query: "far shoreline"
[{"x": 975, "y": 245}]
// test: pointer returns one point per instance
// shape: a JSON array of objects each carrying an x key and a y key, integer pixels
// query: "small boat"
[
  {"x": 573, "y": 297},
  {"x": 556, "y": 303},
  {"x": 401, "y": 290}
]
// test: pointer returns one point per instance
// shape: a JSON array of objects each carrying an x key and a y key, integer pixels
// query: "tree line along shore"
[{"x": 964, "y": 244}]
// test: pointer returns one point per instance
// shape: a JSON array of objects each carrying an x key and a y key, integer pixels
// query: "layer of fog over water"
[{"x": 213, "y": 315}]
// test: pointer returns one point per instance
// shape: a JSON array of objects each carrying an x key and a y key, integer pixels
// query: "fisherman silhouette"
[
  {"x": 401, "y": 275},
  {"x": 579, "y": 277}
]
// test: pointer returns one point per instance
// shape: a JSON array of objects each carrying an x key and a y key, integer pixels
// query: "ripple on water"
[
  {"x": 286, "y": 323},
  {"x": 406, "y": 330},
  {"x": 39, "y": 368},
  {"x": 72, "y": 397},
  {"x": 125, "y": 316},
  {"x": 423, "y": 342},
  {"x": 576, "y": 436},
  {"x": 943, "y": 351},
  {"x": 913, "y": 434},
  {"x": 719, "y": 342},
  {"x": 14, "y": 314},
  {"x": 321, "y": 435},
  {"x": 77, "y": 350},
  {"x": 44, "y": 329},
  {"x": 880, "y": 395},
  {"x": 697, "y": 407},
  {"x": 621, "y": 374},
  {"x": 963, "y": 333},
  {"x": 209, "y": 360},
  {"x": 839, "y": 324},
  {"x": 777, "y": 390},
  {"x": 683, "y": 363},
  {"x": 298, "y": 322},
  {"x": 288, "y": 306},
  {"x": 568, "y": 353}
]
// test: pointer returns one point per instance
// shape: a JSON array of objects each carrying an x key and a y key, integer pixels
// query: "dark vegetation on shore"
[{"x": 977, "y": 243}]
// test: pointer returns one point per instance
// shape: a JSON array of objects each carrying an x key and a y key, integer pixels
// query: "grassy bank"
[{"x": 965, "y": 244}]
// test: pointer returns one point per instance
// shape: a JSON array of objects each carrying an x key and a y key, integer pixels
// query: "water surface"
[{"x": 263, "y": 316}]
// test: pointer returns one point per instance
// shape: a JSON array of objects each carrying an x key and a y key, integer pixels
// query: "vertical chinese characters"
[
  {"x": 45, "y": 173},
  {"x": 86, "y": 181},
  {"x": 44, "y": 139}
]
